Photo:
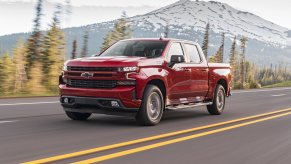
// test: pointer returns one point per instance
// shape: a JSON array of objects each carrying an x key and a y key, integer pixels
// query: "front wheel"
[
  {"x": 152, "y": 108},
  {"x": 218, "y": 101},
  {"x": 78, "y": 116}
]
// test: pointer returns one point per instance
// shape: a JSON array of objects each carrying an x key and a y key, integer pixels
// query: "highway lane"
[
  {"x": 28, "y": 107},
  {"x": 42, "y": 130},
  {"x": 264, "y": 143}
]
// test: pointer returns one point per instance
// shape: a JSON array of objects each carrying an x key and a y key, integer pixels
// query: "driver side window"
[{"x": 176, "y": 49}]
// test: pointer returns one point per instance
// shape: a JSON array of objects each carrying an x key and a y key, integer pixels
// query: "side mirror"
[{"x": 176, "y": 59}]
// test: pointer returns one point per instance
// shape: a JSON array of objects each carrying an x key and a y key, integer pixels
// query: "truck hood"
[{"x": 116, "y": 61}]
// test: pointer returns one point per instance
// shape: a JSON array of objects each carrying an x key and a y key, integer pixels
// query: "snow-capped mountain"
[
  {"x": 267, "y": 44},
  {"x": 222, "y": 18}
]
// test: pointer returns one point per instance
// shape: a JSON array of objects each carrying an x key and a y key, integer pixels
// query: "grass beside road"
[
  {"x": 23, "y": 95},
  {"x": 283, "y": 84}
]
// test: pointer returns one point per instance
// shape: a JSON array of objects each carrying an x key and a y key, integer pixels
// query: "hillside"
[{"x": 268, "y": 43}]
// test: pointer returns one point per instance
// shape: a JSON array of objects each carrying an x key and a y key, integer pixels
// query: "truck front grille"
[
  {"x": 97, "y": 69},
  {"x": 92, "y": 83},
  {"x": 78, "y": 74}
]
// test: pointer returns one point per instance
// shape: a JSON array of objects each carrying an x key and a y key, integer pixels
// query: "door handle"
[{"x": 205, "y": 70}]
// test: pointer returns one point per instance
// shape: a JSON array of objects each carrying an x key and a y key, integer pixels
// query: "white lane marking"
[
  {"x": 278, "y": 95},
  {"x": 2, "y": 122},
  {"x": 32, "y": 103},
  {"x": 261, "y": 90}
]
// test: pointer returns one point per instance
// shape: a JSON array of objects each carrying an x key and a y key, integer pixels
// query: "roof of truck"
[{"x": 163, "y": 39}]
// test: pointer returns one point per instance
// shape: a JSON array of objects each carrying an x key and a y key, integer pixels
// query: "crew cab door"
[
  {"x": 179, "y": 77},
  {"x": 199, "y": 72}
]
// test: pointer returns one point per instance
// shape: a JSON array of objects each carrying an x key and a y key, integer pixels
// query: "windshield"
[{"x": 149, "y": 49}]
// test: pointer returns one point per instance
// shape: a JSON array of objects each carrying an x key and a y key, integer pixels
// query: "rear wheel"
[
  {"x": 151, "y": 110},
  {"x": 218, "y": 101},
  {"x": 78, "y": 116}
]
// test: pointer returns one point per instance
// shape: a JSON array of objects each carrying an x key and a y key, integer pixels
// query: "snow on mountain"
[{"x": 222, "y": 18}]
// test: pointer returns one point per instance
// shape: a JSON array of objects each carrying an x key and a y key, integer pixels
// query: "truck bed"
[{"x": 218, "y": 65}]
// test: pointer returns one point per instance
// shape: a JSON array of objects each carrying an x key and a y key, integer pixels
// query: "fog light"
[
  {"x": 114, "y": 104},
  {"x": 66, "y": 100}
]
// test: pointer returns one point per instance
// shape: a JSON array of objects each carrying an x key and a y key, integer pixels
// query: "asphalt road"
[{"x": 36, "y": 128}]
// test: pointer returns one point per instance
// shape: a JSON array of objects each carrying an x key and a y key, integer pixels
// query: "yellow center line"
[
  {"x": 160, "y": 144},
  {"x": 127, "y": 143}
]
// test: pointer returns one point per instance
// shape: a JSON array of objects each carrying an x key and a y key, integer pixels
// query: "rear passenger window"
[
  {"x": 176, "y": 49},
  {"x": 193, "y": 53}
]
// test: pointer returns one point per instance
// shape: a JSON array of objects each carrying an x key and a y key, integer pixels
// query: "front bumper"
[
  {"x": 95, "y": 105},
  {"x": 126, "y": 95}
]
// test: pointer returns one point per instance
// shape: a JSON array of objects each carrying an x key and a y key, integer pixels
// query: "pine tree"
[
  {"x": 54, "y": 53},
  {"x": 33, "y": 54},
  {"x": 221, "y": 54},
  {"x": 212, "y": 59},
  {"x": 243, "y": 42},
  {"x": 205, "y": 41},
  {"x": 2, "y": 76},
  {"x": 120, "y": 31},
  {"x": 19, "y": 62},
  {"x": 218, "y": 57},
  {"x": 74, "y": 50},
  {"x": 108, "y": 41},
  {"x": 7, "y": 71},
  {"x": 233, "y": 57},
  {"x": 124, "y": 29},
  {"x": 233, "y": 61},
  {"x": 84, "y": 52},
  {"x": 247, "y": 71},
  {"x": 34, "y": 85}
]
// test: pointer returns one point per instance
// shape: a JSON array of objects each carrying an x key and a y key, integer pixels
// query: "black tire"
[
  {"x": 152, "y": 107},
  {"x": 78, "y": 116},
  {"x": 218, "y": 101}
]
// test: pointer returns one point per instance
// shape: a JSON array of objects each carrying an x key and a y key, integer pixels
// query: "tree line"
[
  {"x": 245, "y": 74},
  {"x": 121, "y": 30},
  {"x": 34, "y": 65}
]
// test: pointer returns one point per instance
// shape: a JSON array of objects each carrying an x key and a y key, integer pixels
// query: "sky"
[{"x": 275, "y": 11}]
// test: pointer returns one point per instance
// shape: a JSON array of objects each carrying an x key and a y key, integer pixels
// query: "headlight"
[
  {"x": 128, "y": 69},
  {"x": 65, "y": 68},
  {"x": 62, "y": 79}
]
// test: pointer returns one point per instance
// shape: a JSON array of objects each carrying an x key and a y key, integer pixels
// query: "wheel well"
[
  {"x": 160, "y": 84},
  {"x": 223, "y": 83}
]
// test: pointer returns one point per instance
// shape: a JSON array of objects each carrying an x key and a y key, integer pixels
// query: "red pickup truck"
[{"x": 143, "y": 77}]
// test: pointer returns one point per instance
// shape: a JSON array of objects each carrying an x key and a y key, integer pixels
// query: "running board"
[{"x": 188, "y": 105}]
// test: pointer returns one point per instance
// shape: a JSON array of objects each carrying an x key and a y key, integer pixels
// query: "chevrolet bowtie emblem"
[{"x": 87, "y": 75}]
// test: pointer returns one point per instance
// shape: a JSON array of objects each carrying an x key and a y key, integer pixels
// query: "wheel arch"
[
  {"x": 160, "y": 84},
  {"x": 223, "y": 82}
]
